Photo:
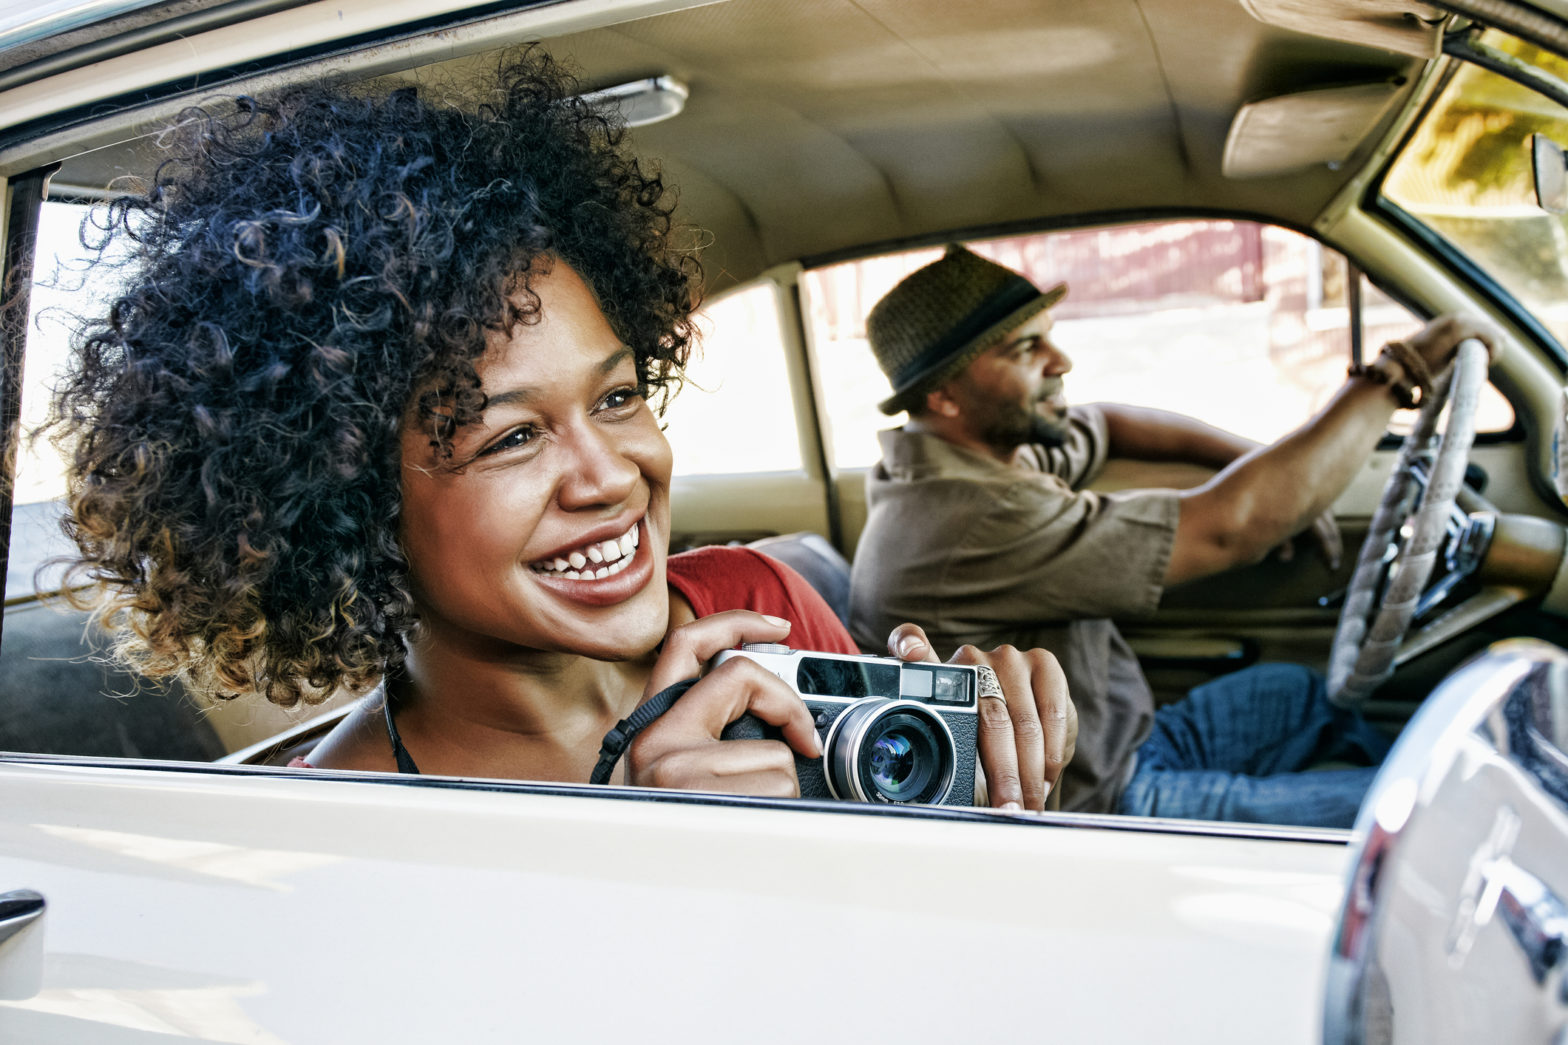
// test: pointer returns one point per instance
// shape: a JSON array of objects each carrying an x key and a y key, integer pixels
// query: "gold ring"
[{"x": 990, "y": 685}]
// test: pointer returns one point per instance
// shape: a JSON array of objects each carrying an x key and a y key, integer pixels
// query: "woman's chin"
[{"x": 629, "y": 636}]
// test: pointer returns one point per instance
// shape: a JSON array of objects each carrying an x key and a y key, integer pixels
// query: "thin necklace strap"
[{"x": 405, "y": 761}]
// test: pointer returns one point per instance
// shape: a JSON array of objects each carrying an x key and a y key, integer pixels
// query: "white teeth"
[
  {"x": 636, "y": 535},
  {"x": 593, "y": 561}
]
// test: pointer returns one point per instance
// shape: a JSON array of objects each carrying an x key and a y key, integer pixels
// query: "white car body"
[
  {"x": 259, "y": 907},
  {"x": 251, "y": 904}
]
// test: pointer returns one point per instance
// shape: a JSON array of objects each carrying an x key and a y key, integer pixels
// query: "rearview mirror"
[{"x": 1551, "y": 174}]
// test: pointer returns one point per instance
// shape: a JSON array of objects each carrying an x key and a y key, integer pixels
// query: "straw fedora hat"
[{"x": 940, "y": 317}]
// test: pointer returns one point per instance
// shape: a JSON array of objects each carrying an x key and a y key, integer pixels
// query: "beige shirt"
[{"x": 982, "y": 553}]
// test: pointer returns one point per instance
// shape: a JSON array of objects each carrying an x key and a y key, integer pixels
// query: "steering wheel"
[{"x": 1402, "y": 544}]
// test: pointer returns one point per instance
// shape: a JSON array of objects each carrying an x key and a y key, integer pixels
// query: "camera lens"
[
  {"x": 890, "y": 751},
  {"x": 902, "y": 761}
]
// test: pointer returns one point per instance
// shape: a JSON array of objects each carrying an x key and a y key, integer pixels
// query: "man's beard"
[{"x": 1016, "y": 426}]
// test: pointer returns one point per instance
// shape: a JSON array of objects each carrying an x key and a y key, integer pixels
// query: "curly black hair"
[{"x": 307, "y": 270}]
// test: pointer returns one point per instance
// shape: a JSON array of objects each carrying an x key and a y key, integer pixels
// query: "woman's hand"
[
  {"x": 1028, "y": 736},
  {"x": 681, "y": 749}
]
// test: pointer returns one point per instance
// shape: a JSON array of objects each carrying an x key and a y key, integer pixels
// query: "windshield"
[{"x": 1466, "y": 175}]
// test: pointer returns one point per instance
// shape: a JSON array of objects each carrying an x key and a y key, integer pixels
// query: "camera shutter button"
[{"x": 763, "y": 647}]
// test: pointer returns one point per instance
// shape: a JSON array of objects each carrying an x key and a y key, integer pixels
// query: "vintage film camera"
[{"x": 891, "y": 731}]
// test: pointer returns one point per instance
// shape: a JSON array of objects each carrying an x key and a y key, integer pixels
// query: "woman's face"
[{"x": 548, "y": 526}]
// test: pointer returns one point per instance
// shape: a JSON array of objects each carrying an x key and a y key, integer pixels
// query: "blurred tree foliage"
[
  {"x": 1474, "y": 148},
  {"x": 1466, "y": 173}
]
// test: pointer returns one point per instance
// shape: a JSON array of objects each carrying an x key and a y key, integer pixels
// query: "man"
[{"x": 980, "y": 530}]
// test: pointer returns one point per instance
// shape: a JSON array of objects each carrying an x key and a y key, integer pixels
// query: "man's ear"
[{"x": 940, "y": 402}]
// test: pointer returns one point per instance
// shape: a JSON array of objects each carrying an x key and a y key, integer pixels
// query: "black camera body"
[{"x": 897, "y": 732}]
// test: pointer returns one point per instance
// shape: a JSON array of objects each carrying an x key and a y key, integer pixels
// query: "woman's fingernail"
[
  {"x": 1011, "y": 807},
  {"x": 780, "y": 621},
  {"x": 909, "y": 644}
]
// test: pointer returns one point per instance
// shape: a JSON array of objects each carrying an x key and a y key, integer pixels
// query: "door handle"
[{"x": 18, "y": 909}]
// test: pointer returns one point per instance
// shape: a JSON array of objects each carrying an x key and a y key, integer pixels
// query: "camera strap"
[{"x": 617, "y": 740}]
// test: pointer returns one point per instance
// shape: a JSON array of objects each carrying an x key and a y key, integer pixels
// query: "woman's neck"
[
  {"x": 524, "y": 714},
  {"x": 534, "y": 716}
]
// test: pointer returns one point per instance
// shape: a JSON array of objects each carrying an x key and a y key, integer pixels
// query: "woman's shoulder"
[
  {"x": 734, "y": 577},
  {"x": 728, "y": 577}
]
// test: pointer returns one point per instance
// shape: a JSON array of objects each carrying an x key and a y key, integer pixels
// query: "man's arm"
[
  {"x": 1271, "y": 493},
  {"x": 1145, "y": 434}
]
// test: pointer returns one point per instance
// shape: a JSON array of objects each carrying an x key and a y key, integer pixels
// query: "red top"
[{"x": 737, "y": 578}]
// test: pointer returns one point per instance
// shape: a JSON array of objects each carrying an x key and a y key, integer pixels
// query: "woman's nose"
[{"x": 595, "y": 468}]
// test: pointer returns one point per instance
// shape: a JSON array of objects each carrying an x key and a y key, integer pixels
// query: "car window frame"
[
  {"x": 1390, "y": 440},
  {"x": 88, "y": 126},
  {"x": 1426, "y": 239}
]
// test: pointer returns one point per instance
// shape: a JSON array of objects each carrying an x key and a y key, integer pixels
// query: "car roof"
[{"x": 833, "y": 128}]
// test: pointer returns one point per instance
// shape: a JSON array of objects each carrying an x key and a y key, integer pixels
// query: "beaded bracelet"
[
  {"x": 1415, "y": 367},
  {"x": 1403, "y": 390}
]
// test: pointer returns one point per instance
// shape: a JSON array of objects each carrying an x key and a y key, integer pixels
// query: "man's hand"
[
  {"x": 1027, "y": 737},
  {"x": 682, "y": 748},
  {"x": 1437, "y": 342}
]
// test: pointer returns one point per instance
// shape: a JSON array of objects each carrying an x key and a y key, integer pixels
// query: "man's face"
[{"x": 1012, "y": 393}]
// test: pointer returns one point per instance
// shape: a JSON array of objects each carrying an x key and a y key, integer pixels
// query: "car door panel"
[
  {"x": 267, "y": 906},
  {"x": 718, "y": 509}
]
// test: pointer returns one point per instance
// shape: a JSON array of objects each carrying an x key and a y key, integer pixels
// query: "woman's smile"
[
  {"x": 593, "y": 560},
  {"x": 598, "y": 572}
]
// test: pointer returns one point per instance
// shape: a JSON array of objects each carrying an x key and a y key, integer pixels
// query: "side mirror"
[
  {"x": 1550, "y": 168},
  {"x": 1454, "y": 927}
]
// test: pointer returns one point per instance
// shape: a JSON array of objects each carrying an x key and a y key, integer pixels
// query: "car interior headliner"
[{"x": 820, "y": 128}]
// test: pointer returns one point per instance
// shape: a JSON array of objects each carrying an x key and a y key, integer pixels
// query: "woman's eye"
[
  {"x": 510, "y": 441},
  {"x": 619, "y": 398}
]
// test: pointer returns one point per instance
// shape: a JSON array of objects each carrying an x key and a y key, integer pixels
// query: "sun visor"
[
  {"x": 1391, "y": 25},
  {"x": 1294, "y": 131}
]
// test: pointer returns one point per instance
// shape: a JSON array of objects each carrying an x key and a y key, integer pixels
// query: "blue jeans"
[{"x": 1235, "y": 747}]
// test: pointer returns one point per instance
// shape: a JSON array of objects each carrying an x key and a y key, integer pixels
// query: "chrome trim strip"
[
  {"x": 19, "y": 909},
  {"x": 48, "y": 19},
  {"x": 1090, "y": 821}
]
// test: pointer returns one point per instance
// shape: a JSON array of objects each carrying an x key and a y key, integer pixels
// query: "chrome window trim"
[{"x": 1091, "y": 821}]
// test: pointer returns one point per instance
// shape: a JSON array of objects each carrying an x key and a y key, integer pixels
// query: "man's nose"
[
  {"x": 1056, "y": 362},
  {"x": 595, "y": 469}
]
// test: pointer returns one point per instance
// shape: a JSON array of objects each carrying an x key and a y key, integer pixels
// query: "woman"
[{"x": 379, "y": 402}]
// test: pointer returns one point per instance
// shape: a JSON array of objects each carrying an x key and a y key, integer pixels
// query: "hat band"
[{"x": 1015, "y": 295}]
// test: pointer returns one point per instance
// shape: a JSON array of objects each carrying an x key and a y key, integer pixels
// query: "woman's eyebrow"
[{"x": 515, "y": 396}]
